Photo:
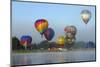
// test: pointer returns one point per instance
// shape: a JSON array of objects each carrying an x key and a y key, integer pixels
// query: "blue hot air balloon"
[
  {"x": 25, "y": 40},
  {"x": 49, "y": 34}
]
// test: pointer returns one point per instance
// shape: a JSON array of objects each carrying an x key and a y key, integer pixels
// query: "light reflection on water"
[{"x": 52, "y": 57}]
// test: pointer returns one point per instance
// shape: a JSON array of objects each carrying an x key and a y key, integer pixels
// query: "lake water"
[{"x": 52, "y": 57}]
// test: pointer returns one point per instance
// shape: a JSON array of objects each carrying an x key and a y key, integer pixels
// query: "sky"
[{"x": 24, "y": 15}]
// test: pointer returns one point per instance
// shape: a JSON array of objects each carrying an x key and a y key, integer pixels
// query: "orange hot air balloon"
[{"x": 41, "y": 25}]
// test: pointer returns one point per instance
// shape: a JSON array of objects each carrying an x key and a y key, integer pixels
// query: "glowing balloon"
[
  {"x": 41, "y": 25},
  {"x": 25, "y": 40},
  {"x": 49, "y": 34},
  {"x": 85, "y": 15},
  {"x": 61, "y": 40}
]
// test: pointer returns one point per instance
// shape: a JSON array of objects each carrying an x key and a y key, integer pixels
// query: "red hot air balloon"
[
  {"x": 41, "y": 25},
  {"x": 49, "y": 34}
]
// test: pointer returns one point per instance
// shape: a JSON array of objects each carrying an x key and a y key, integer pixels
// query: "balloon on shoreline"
[
  {"x": 25, "y": 40},
  {"x": 70, "y": 33},
  {"x": 61, "y": 41}
]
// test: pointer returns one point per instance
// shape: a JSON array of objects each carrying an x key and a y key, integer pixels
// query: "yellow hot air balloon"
[{"x": 61, "y": 40}]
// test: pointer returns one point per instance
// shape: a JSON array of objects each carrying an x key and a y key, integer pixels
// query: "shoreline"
[{"x": 46, "y": 51}]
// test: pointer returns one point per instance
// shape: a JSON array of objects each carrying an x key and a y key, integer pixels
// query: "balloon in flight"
[
  {"x": 86, "y": 15},
  {"x": 41, "y": 25},
  {"x": 49, "y": 34}
]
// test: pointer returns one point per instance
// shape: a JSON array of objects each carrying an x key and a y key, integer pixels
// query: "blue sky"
[{"x": 24, "y": 15}]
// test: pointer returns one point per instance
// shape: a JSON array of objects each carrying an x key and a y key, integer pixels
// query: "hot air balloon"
[
  {"x": 61, "y": 41},
  {"x": 49, "y": 34},
  {"x": 69, "y": 42},
  {"x": 73, "y": 30},
  {"x": 70, "y": 32},
  {"x": 69, "y": 35},
  {"x": 85, "y": 15},
  {"x": 25, "y": 40},
  {"x": 69, "y": 39},
  {"x": 67, "y": 29},
  {"x": 70, "y": 29},
  {"x": 41, "y": 25}
]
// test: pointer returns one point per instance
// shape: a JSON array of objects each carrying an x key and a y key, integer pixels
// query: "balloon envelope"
[
  {"x": 25, "y": 40},
  {"x": 69, "y": 40},
  {"x": 69, "y": 35},
  {"x": 41, "y": 25},
  {"x": 70, "y": 29},
  {"x": 61, "y": 40},
  {"x": 85, "y": 15},
  {"x": 49, "y": 34}
]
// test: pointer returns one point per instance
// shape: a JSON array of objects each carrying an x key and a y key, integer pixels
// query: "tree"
[
  {"x": 15, "y": 43},
  {"x": 79, "y": 44},
  {"x": 90, "y": 44},
  {"x": 32, "y": 46},
  {"x": 44, "y": 44},
  {"x": 53, "y": 45}
]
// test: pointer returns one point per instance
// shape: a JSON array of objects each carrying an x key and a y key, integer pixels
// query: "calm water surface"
[{"x": 52, "y": 57}]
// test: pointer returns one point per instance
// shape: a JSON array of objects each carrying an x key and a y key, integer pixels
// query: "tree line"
[{"x": 46, "y": 44}]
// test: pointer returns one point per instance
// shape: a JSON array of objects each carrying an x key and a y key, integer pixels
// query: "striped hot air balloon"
[
  {"x": 41, "y": 25},
  {"x": 25, "y": 40}
]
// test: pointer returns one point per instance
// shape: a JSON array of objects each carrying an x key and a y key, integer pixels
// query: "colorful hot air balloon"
[
  {"x": 61, "y": 41},
  {"x": 85, "y": 15},
  {"x": 41, "y": 25},
  {"x": 25, "y": 40},
  {"x": 49, "y": 34}
]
